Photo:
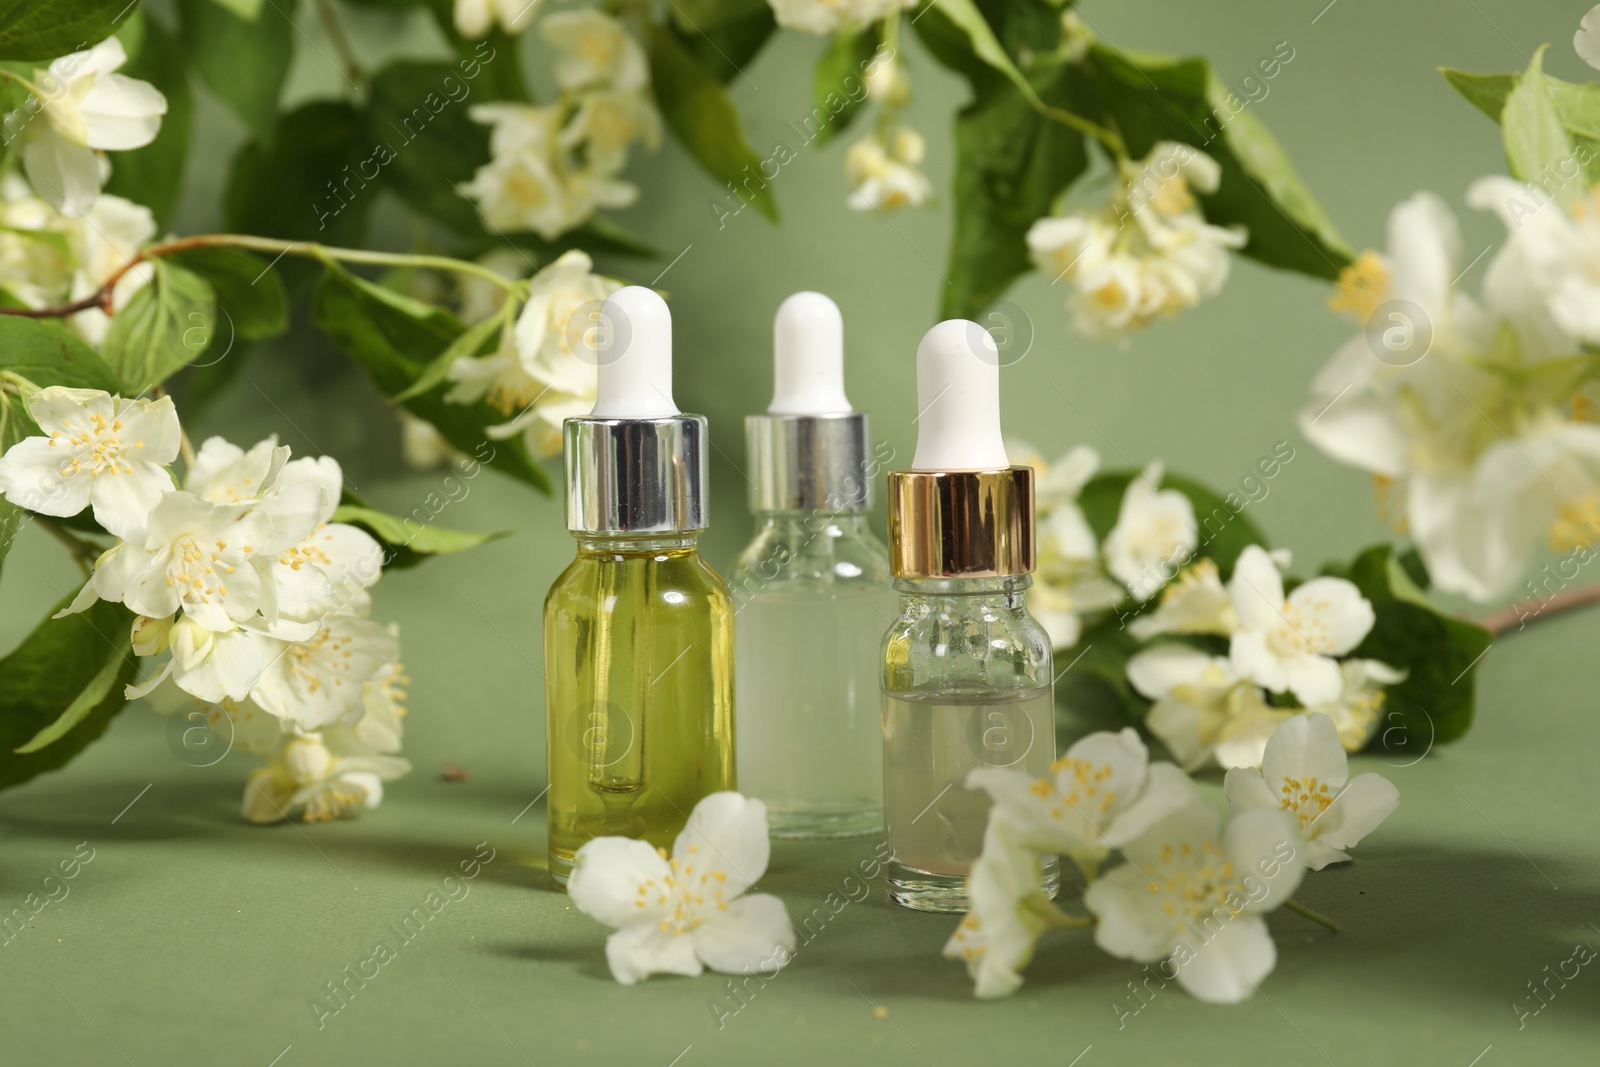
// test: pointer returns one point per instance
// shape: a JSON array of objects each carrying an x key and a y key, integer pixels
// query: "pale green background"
[{"x": 193, "y": 939}]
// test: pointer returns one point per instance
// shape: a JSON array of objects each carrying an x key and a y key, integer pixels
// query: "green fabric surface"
[{"x": 191, "y": 938}]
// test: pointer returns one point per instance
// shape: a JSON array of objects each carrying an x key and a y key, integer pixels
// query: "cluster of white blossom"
[
  {"x": 255, "y": 600},
  {"x": 1476, "y": 415},
  {"x": 1207, "y": 707},
  {"x": 544, "y": 368},
  {"x": 1147, "y": 251},
  {"x": 60, "y": 237},
  {"x": 1191, "y": 894},
  {"x": 551, "y": 166}
]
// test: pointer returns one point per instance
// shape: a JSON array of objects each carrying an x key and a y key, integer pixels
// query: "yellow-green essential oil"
[{"x": 639, "y": 691}]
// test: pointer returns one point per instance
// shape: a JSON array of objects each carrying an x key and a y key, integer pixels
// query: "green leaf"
[
  {"x": 32, "y": 30},
  {"x": 1440, "y": 653},
  {"x": 165, "y": 327},
  {"x": 1537, "y": 145},
  {"x": 839, "y": 86},
  {"x": 1011, "y": 165},
  {"x": 394, "y": 338},
  {"x": 1154, "y": 98},
  {"x": 1486, "y": 92},
  {"x": 1577, "y": 104},
  {"x": 472, "y": 342},
  {"x": 47, "y": 354},
  {"x": 724, "y": 36},
  {"x": 252, "y": 303},
  {"x": 92, "y": 696},
  {"x": 1222, "y": 529},
  {"x": 495, "y": 57},
  {"x": 47, "y": 676},
  {"x": 243, "y": 61},
  {"x": 308, "y": 185},
  {"x": 249, "y": 10},
  {"x": 701, "y": 116},
  {"x": 153, "y": 175},
  {"x": 14, "y": 426},
  {"x": 433, "y": 145},
  {"x": 409, "y": 539}
]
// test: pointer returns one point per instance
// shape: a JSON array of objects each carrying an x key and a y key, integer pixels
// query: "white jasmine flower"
[
  {"x": 520, "y": 188},
  {"x": 308, "y": 779},
  {"x": 1008, "y": 914},
  {"x": 1203, "y": 710},
  {"x": 1103, "y": 793},
  {"x": 1305, "y": 773},
  {"x": 1466, "y": 423},
  {"x": 422, "y": 446},
  {"x": 1194, "y": 894},
  {"x": 108, "y": 235},
  {"x": 224, "y": 473},
  {"x": 1068, "y": 582},
  {"x": 1289, "y": 644},
  {"x": 1550, "y": 266},
  {"x": 536, "y": 377},
  {"x": 1145, "y": 252},
  {"x": 681, "y": 914},
  {"x": 1196, "y": 602},
  {"x": 87, "y": 106},
  {"x": 884, "y": 174},
  {"x": 35, "y": 264},
  {"x": 98, "y": 450},
  {"x": 204, "y": 559},
  {"x": 528, "y": 183},
  {"x": 1155, "y": 534},
  {"x": 595, "y": 50},
  {"x": 1586, "y": 42},
  {"x": 606, "y": 122},
  {"x": 825, "y": 17},
  {"x": 319, "y": 682},
  {"x": 329, "y": 570},
  {"x": 475, "y": 18},
  {"x": 1355, "y": 711}
]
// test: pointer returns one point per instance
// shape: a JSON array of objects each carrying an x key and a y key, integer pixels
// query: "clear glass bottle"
[
  {"x": 638, "y": 631},
  {"x": 812, "y": 600},
  {"x": 812, "y": 593},
  {"x": 966, "y": 684},
  {"x": 966, "y": 670}
]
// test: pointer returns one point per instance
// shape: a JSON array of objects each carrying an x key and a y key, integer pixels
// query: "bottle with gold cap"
[
  {"x": 638, "y": 630},
  {"x": 966, "y": 670},
  {"x": 812, "y": 593}
]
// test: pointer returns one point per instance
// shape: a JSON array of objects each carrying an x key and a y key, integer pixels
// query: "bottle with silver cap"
[
  {"x": 811, "y": 593},
  {"x": 966, "y": 670},
  {"x": 638, "y": 631}
]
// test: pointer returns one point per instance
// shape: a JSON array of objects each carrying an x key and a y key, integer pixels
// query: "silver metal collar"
[
  {"x": 808, "y": 462},
  {"x": 636, "y": 475}
]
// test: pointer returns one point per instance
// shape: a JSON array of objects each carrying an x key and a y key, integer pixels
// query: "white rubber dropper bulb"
[
  {"x": 958, "y": 400},
  {"x": 808, "y": 358},
  {"x": 634, "y": 353}
]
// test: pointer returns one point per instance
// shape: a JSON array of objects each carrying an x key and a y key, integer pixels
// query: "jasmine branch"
[
  {"x": 1518, "y": 615},
  {"x": 101, "y": 298}
]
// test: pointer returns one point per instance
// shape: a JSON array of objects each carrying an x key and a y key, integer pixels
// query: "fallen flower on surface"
[{"x": 682, "y": 913}]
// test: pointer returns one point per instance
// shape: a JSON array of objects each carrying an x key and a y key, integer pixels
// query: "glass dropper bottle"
[
  {"x": 811, "y": 593},
  {"x": 966, "y": 670},
  {"x": 638, "y": 630}
]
